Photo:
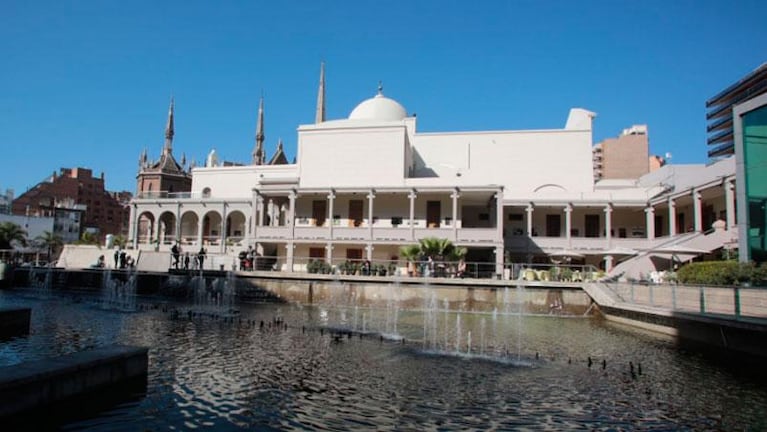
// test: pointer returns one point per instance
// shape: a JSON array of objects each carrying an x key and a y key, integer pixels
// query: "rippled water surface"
[{"x": 233, "y": 374}]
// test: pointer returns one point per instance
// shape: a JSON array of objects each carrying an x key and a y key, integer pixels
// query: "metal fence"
[
  {"x": 423, "y": 268},
  {"x": 731, "y": 301}
]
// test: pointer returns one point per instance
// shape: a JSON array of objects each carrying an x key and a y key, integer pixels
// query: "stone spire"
[
  {"x": 142, "y": 158},
  {"x": 258, "y": 152},
  {"x": 168, "y": 148},
  {"x": 319, "y": 115}
]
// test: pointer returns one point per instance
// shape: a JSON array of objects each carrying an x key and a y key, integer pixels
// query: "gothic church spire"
[
  {"x": 319, "y": 116},
  {"x": 258, "y": 153},
  {"x": 168, "y": 148}
]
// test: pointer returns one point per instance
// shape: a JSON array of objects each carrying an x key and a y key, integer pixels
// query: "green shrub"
[{"x": 723, "y": 273}]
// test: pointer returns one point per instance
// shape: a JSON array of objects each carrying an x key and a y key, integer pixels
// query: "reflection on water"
[{"x": 230, "y": 373}]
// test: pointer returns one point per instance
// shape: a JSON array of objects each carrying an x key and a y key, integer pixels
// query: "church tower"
[{"x": 164, "y": 176}]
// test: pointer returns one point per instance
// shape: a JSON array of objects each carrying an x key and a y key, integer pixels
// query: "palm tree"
[
  {"x": 10, "y": 233},
  {"x": 410, "y": 253},
  {"x": 49, "y": 241},
  {"x": 436, "y": 247}
]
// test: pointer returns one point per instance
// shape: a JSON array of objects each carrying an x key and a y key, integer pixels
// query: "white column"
[
  {"x": 369, "y": 252},
  {"x": 650, "y": 222},
  {"x": 289, "y": 255},
  {"x": 222, "y": 247},
  {"x": 200, "y": 224},
  {"x": 671, "y": 217},
  {"x": 133, "y": 226},
  {"x": 331, "y": 201},
  {"x": 455, "y": 196},
  {"x": 499, "y": 219},
  {"x": 729, "y": 196},
  {"x": 608, "y": 263},
  {"x": 529, "y": 211},
  {"x": 329, "y": 253},
  {"x": 178, "y": 221},
  {"x": 156, "y": 231},
  {"x": 412, "y": 196},
  {"x": 499, "y": 261},
  {"x": 254, "y": 216},
  {"x": 608, "y": 224},
  {"x": 371, "y": 196},
  {"x": 499, "y": 233},
  {"x": 568, "y": 222},
  {"x": 292, "y": 216},
  {"x": 697, "y": 210}
]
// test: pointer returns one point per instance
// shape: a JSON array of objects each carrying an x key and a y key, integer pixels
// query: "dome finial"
[{"x": 380, "y": 88}]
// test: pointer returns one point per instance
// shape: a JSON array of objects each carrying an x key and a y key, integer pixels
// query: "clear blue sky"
[{"x": 88, "y": 83}]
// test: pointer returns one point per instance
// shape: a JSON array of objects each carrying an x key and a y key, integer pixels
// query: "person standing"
[
  {"x": 175, "y": 254},
  {"x": 186, "y": 261},
  {"x": 117, "y": 256},
  {"x": 201, "y": 257}
]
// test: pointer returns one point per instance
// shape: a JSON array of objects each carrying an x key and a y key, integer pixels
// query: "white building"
[{"x": 365, "y": 185}]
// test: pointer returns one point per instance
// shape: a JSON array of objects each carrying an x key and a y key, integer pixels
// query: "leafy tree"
[
  {"x": 88, "y": 238},
  {"x": 11, "y": 233},
  {"x": 50, "y": 242},
  {"x": 120, "y": 241}
]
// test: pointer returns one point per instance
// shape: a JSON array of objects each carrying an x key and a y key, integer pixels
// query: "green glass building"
[{"x": 737, "y": 124}]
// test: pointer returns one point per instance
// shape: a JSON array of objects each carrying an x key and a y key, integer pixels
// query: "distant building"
[
  {"x": 721, "y": 136},
  {"x": 6, "y": 200},
  {"x": 624, "y": 157},
  {"x": 70, "y": 193},
  {"x": 656, "y": 162},
  {"x": 34, "y": 226}
]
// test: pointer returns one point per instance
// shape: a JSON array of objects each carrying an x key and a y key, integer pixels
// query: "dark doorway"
[
  {"x": 355, "y": 213},
  {"x": 433, "y": 213},
  {"x": 553, "y": 225},
  {"x": 319, "y": 212},
  {"x": 658, "y": 226},
  {"x": 591, "y": 225}
]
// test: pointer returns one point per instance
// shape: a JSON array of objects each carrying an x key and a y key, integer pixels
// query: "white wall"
[
  {"x": 237, "y": 181},
  {"x": 352, "y": 157},
  {"x": 520, "y": 161}
]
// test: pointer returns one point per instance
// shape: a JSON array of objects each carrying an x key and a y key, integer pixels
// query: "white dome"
[{"x": 378, "y": 107}]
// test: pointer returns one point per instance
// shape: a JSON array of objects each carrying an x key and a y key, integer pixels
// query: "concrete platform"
[{"x": 30, "y": 386}]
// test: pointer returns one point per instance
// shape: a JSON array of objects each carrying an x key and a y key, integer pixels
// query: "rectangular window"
[
  {"x": 516, "y": 217},
  {"x": 396, "y": 221}
]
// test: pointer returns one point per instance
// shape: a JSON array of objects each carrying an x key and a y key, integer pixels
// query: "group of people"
[
  {"x": 197, "y": 262},
  {"x": 121, "y": 259},
  {"x": 431, "y": 268},
  {"x": 248, "y": 259}
]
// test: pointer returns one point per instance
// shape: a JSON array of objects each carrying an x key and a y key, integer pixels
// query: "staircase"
[{"x": 642, "y": 264}]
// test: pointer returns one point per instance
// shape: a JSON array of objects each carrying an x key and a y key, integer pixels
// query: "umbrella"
[
  {"x": 674, "y": 250},
  {"x": 678, "y": 250},
  {"x": 567, "y": 253},
  {"x": 566, "y": 256},
  {"x": 618, "y": 251}
]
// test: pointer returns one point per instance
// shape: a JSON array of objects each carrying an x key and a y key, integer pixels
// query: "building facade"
[
  {"x": 73, "y": 188},
  {"x": 624, "y": 157},
  {"x": 365, "y": 185}
]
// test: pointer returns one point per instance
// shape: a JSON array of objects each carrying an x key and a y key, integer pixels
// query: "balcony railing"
[{"x": 273, "y": 232}]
